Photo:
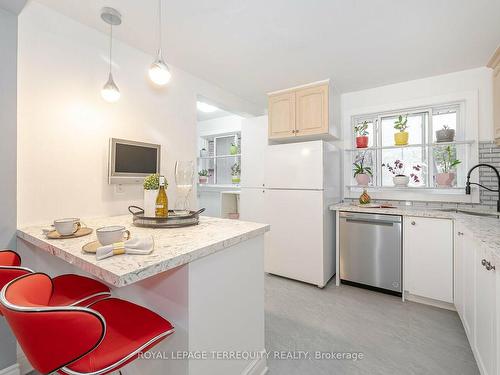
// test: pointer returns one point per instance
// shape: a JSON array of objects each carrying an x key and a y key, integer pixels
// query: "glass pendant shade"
[
  {"x": 110, "y": 91},
  {"x": 159, "y": 72}
]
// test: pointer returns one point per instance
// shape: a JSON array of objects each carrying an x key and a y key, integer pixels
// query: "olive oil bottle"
[{"x": 162, "y": 200}]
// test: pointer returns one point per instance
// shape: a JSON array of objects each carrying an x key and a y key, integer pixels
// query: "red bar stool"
[
  {"x": 74, "y": 340},
  {"x": 71, "y": 290}
]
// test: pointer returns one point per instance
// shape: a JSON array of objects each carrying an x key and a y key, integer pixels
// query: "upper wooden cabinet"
[
  {"x": 305, "y": 111},
  {"x": 495, "y": 65},
  {"x": 282, "y": 115}
]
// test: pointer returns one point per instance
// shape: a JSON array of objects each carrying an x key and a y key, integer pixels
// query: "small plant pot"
[
  {"x": 362, "y": 141},
  {"x": 445, "y": 179},
  {"x": 203, "y": 179},
  {"x": 401, "y": 181},
  {"x": 233, "y": 150},
  {"x": 150, "y": 202},
  {"x": 235, "y": 179},
  {"x": 362, "y": 179},
  {"x": 401, "y": 138},
  {"x": 445, "y": 135},
  {"x": 203, "y": 153}
]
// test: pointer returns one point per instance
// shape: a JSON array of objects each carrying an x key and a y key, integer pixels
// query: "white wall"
[
  {"x": 392, "y": 96},
  {"x": 8, "y": 80},
  {"x": 216, "y": 126},
  {"x": 64, "y": 125}
]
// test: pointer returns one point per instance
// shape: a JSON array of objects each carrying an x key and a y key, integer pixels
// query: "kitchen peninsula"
[{"x": 208, "y": 280}]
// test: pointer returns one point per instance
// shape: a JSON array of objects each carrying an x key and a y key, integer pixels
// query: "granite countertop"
[
  {"x": 173, "y": 247},
  {"x": 485, "y": 230}
]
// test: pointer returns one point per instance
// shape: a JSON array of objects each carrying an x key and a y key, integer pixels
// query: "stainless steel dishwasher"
[{"x": 370, "y": 251}]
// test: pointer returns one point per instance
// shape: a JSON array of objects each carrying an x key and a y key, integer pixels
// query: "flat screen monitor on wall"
[{"x": 131, "y": 161}]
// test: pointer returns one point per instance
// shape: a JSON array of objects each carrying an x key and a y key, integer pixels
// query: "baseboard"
[
  {"x": 257, "y": 366},
  {"x": 429, "y": 301},
  {"x": 11, "y": 370}
]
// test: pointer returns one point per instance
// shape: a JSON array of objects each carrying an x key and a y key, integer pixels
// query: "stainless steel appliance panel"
[{"x": 370, "y": 250}]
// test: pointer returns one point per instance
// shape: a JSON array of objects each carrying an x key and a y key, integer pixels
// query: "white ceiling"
[{"x": 253, "y": 47}]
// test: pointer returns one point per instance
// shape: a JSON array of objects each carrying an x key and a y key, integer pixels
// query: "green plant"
[
  {"x": 203, "y": 173},
  {"x": 401, "y": 123},
  {"x": 359, "y": 167},
  {"x": 235, "y": 169},
  {"x": 152, "y": 182},
  {"x": 361, "y": 129},
  {"x": 446, "y": 158}
]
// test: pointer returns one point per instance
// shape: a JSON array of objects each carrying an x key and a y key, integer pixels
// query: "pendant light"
[
  {"x": 159, "y": 72},
  {"x": 110, "y": 91}
]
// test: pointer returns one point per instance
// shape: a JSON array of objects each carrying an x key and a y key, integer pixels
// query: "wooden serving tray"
[{"x": 54, "y": 235}]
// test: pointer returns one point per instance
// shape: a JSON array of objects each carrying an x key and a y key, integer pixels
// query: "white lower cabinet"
[
  {"x": 485, "y": 336},
  {"x": 428, "y": 258},
  {"x": 476, "y": 286}
]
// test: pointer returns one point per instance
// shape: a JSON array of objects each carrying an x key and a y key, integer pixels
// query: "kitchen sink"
[{"x": 473, "y": 213}]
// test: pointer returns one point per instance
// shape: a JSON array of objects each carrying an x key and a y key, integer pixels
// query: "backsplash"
[{"x": 489, "y": 153}]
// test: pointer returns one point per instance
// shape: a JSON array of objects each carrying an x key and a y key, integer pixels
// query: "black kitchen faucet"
[{"x": 468, "y": 184}]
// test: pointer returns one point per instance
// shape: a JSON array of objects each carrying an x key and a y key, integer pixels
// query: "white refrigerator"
[{"x": 290, "y": 186}]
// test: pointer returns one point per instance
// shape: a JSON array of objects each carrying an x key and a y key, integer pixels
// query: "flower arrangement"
[
  {"x": 446, "y": 159},
  {"x": 361, "y": 173},
  {"x": 152, "y": 182},
  {"x": 397, "y": 169}
]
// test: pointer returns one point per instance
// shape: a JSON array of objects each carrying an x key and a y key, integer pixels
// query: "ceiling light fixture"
[
  {"x": 207, "y": 108},
  {"x": 110, "y": 91},
  {"x": 159, "y": 72}
]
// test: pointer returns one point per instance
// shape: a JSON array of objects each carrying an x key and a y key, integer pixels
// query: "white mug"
[
  {"x": 68, "y": 226},
  {"x": 112, "y": 234}
]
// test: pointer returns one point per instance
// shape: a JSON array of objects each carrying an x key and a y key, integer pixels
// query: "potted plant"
[
  {"x": 445, "y": 134},
  {"x": 447, "y": 162},
  {"x": 203, "y": 176},
  {"x": 400, "y": 179},
  {"x": 361, "y": 131},
  {"x": 151, "y": 188},
  {"x": 233, "y": 150},
  {"x": 235, "y": 173},
  {"x": 362, "y": 174},
  {"x": 401, "y": 137}
]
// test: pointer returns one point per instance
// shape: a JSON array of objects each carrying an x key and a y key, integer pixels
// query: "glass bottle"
[{"x": 162, "y": 200}]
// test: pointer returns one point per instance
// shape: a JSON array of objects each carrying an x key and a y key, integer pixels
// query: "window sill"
[{"x": 428, "y": 194}]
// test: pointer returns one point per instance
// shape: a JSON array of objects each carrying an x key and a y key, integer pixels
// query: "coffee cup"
[
  {"x": 67, "y": 226},
  {"x": 112, "y": 234}
]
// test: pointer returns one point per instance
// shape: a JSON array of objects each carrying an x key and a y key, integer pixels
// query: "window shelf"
[
  {"x": 218, "y": 157},
  {"x": 435, "y": 144},
  {"x": 409, "y": 188}
]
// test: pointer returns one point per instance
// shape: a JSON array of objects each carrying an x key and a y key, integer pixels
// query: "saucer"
[
  {"x": 54, "y": 235},
  {"x": 91, "y": 247}
]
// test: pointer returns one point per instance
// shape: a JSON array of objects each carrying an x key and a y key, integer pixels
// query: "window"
[{"x": 436, "y": 145}]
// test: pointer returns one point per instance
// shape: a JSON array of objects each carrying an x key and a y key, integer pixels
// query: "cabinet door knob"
[
  {"x": 413, "y": 223},
  {"x": 460, "y": 234},
  {"x": 483, "y": 262}
]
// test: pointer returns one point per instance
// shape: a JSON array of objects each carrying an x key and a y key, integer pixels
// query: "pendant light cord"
[
  {"x": 160, "y": 29},
  {"x": 110, "y": 46}
]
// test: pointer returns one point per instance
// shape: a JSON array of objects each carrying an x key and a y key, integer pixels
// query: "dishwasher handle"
[{"x": 377, "y": 219}]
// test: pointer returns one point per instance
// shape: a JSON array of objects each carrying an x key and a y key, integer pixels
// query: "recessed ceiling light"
[{"x": 207, "y": 108}]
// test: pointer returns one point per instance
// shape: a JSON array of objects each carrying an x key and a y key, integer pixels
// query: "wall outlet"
[{"x": 119, "y": 189}]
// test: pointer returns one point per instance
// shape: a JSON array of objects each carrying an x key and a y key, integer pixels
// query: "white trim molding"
[{"x": 11, "y": 370}]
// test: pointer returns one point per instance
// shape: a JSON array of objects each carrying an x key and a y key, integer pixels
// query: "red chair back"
[
  {"x": 9, "y": 258},
  {"x": 10, "y": 269},
  {"x": 51, "y": 337}
]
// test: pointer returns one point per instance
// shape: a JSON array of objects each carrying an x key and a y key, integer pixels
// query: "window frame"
[{"x": 468, "y": 155}]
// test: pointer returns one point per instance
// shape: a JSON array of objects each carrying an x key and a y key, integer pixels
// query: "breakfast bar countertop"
[
  {"x": 173, "y": 247},
  {"x": 485, "y": 230}
]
